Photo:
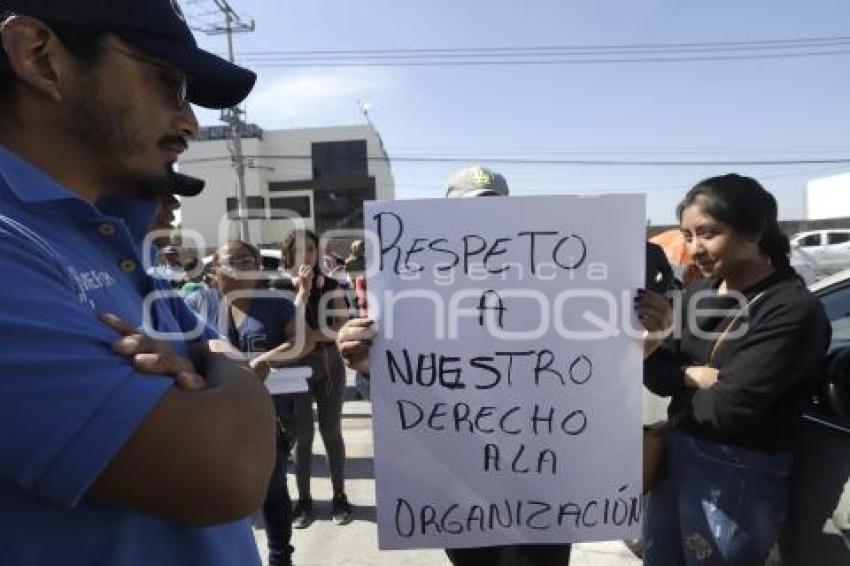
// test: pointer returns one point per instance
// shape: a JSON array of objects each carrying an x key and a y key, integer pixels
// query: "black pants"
[
  {"x": 277, "y": 508},
  {"x": 327, "y": 389},
  {"x": 516, "y": 555}
]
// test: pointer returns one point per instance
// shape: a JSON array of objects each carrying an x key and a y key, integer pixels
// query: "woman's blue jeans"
[{"x": 715, "y": 504}]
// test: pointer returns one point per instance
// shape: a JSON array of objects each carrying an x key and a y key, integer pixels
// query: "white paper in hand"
[{"x": 288, "y": 380}]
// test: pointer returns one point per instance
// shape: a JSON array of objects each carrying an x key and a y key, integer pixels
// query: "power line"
[
  {"x": 670, "y": 46},
  {"x": 269, "y": 64},
  {"x": 558, "y": 54},
  {"x": 581, "y": 162},
  {"x": 514, "y": 54},
  {"x": 810, "y": 150}
]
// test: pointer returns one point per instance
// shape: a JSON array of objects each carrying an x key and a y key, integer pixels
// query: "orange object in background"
[{"x": 674, "y": 246}]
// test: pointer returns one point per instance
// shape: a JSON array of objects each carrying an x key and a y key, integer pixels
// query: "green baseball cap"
[{"x": 476, "y": 181}]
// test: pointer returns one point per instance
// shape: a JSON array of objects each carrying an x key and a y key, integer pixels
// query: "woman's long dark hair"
[
  {"x": 744, "y": 205},
  {"x": 290, "y": 248}
]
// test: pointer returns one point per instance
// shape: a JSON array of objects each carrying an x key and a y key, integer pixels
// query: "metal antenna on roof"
[{"x": 364, "y": 106}]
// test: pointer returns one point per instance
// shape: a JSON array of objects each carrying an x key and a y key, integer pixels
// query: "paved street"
[{"x": 325, "y": 544}]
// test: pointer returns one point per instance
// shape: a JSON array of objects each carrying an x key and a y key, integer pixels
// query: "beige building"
[{"x": 316, "y": 177}]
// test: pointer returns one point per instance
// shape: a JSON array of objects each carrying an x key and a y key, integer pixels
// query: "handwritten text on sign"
[{"x": 506, "y": 380}]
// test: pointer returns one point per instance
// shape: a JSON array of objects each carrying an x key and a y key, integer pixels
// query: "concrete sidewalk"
[{"x": 326, "y": 544}]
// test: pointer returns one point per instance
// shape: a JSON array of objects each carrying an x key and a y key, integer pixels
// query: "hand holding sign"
[{"x": 354, "y": 340}]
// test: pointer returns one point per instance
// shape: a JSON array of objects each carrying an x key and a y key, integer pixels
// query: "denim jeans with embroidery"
[{"x": 715, "y": 504}]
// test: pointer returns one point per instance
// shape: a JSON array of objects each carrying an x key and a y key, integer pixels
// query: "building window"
[
  {"x": 215, "y": 133},
  {"x": 290, "y": 186},
  {"x": 340, "y": 159},
  {"x": 286, "y": 207},
  {"x": 256, "y": 208},
  {"x": 342, "y": 208}
]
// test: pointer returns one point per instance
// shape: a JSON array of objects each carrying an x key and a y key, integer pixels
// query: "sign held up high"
[{"x": 506, "y": 380}]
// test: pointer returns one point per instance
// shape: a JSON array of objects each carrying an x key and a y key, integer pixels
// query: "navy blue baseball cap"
[{"x": 156, "y": 27}]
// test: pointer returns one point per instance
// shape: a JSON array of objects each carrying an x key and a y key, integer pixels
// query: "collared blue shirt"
[{"x": 67, "y": 402}]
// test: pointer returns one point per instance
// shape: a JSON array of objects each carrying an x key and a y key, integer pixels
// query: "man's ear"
[{"x": 36, "y": 56}]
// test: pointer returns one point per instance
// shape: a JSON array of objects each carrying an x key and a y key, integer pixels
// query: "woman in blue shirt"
[{"x": 259, "y": 322}]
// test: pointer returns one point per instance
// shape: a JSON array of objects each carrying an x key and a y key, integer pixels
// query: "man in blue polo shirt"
[{"x": 102, "y": 459}]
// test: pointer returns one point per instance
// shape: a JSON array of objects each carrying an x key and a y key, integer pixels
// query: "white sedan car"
[
  {"x": 804, "y": 264},
  {"x": 828, "y": 250}
]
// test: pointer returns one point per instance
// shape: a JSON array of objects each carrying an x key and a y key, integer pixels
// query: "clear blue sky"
[{"x": 765, "y": 109}]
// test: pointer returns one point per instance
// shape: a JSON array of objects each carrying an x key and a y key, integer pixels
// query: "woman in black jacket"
[
  {"x": 740, "y": 367},
  {"x": 324, "y": 311}
]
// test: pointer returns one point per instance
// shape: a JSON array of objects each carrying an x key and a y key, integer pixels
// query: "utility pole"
[{"x": 234, "y": 24}]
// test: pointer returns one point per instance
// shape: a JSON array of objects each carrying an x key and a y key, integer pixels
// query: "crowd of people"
[
  {"x": 274, "y": 319},
  {"x": 115, "y": 440}
]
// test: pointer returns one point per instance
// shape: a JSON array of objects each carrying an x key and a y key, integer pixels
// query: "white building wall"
[
  {"x": 828, "y": 197},
  {"x": 274, "y": 158}
]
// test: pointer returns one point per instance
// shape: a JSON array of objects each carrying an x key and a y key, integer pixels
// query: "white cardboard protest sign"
[{"x": 506, "y": 380}]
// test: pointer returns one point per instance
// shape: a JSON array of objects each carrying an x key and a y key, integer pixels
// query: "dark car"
[{"x": 818, "y": 531}]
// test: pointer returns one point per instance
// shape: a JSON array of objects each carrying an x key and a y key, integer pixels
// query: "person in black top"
[
  {"x": 740, "y": 367},
  {"x": 325, "y": 312}
]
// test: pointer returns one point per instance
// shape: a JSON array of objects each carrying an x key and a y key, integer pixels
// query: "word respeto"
[{"x": 567, "y": 251}]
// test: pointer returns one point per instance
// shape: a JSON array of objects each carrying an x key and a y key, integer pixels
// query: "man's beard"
[{"x": 105, "y": 128}]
